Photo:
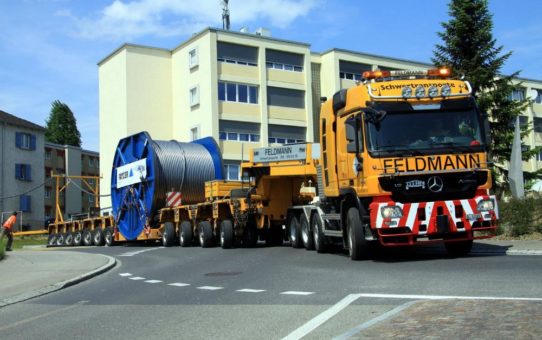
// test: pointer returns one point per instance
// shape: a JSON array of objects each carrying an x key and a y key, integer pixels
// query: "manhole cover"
[{"x": 223, "y": 274}]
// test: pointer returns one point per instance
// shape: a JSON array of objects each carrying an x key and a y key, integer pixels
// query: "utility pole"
[{"x": 225, "y": 15}]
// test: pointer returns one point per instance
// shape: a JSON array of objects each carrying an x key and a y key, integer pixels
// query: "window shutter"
[
  {"x": 18, "y": 171},
  {"x": 18, "y": 139},
  {"x": 32, "y": 142},
  {"x": 28, "y": 174}
]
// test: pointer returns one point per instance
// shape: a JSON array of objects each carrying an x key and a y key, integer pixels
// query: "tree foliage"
[
  {"x": 61, "y": 126},
  {"x": 470, "y": 49}
]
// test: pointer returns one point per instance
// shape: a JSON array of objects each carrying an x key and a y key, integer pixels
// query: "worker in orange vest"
[{"x": 8, "y": 229}]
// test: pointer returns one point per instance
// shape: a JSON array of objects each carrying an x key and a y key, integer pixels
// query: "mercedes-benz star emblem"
[{"x": 435, "y": 184}]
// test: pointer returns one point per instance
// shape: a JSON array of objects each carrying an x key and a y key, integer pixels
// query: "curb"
[{"x": 60, "y": 285}]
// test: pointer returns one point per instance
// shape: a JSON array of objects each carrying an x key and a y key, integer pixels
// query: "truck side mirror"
[{"x": 351, "y": 131}]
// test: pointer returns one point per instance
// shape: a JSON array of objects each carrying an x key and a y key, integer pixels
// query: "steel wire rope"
[{"x": 28, "y": 191}]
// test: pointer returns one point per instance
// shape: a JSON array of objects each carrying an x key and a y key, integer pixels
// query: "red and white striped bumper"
[{"x": 437, "y": 219}]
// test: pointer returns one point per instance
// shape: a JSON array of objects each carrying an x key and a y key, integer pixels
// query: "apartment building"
[
  {"x": 244, "y": 89},
  {"x": 21, "y": 174},
  {"x": 73, "y": 161}
]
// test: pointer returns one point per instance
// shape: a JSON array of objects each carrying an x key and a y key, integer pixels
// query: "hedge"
[{"x": 520, "y": 216}]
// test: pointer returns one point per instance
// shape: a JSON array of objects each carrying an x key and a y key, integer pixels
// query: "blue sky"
[{"x": 49, "y": 49}]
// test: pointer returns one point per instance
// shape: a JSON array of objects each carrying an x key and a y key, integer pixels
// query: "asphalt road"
[{"x": 272, "y": 293}]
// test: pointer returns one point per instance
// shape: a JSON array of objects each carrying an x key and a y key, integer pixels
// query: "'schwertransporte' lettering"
[{"x": 449, "y": 162}]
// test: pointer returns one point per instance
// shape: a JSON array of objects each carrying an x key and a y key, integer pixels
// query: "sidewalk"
[{"x": 26, "y": 274}]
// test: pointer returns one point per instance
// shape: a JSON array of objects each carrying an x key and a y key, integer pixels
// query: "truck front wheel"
[
  {"x": 294, "y": 232},
  {"x": 308, "y": 240},
  {"x": 320, "y": 243},
  {"x": 358, "y": 247}
]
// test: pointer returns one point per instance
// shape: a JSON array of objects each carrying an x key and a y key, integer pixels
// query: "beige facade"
[
  {"x": 245, "y": 90},
  {"x": 71, "y": 161}
]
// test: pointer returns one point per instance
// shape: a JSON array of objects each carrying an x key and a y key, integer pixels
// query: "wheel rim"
[
  {"x": 69, "y": 239},
  {"x": 292, "y": 233},
  {"x": 77, "y": 238},
  {"x": 88, "y": 238},
  {"x": 305, "y": 234},
  {"x": 350, "y": 250},
  {"x": 315, "y": 235},
  {"x": 221, "y": 237},
  {"x": 201, "y": 236}
]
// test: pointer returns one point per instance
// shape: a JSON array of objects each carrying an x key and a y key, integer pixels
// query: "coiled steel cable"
[{"x": 183, "y": 167}]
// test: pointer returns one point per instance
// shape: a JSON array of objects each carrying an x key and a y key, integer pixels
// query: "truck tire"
[
  {"x": 294, "y": 232},
  {"x": 68, "y": 239},
  {"x": 205, "y": 234},
  {"x": 358, "y": 247},
  {"x": 250, "y": 233},
  {"x": 87, "y": 237},
  {"x": 185, "y": 236},
  {"x": 320, "y": 242},
  {"x": 51, "y": 240},
  {"x": 226, "y": 234},
  {"x": 306, "y": 235},
  {"x": 77, "y": 238},
  {"x": 168, "y": 235},
  {"x": 98, "y": 237},
  {"x": 459, "y": 248},
  {"x": 59, "y": 240},
  {"x": 109, "y": 238}
]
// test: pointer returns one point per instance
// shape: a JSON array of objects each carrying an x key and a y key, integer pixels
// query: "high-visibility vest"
[{"x": 10, "y": 222}]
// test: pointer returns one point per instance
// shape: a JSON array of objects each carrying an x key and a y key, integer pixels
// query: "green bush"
[
  {"x": 520, "y": 216},
  {"x": 3, "y": 242}
]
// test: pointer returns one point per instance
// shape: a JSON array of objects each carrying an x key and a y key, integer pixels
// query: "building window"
[
  {"x": 278, "y": 96},
  {"x": 90, "y": 198},
  {"x": 352, "y": 71},
  {"x": 47, "y": 154},
  {"x": 90, "y": 162},
  {"x": 237, "y": 54},
  {"x": 284, "y": 140},
  {"x": 239, "y": 131},
  {"x": 537, "y": 123},
  {"x": 25, "y": 141},
  {"x": 240, "y": 93},
  {"x": 232, "y": 171},
  {"x": 23, "y": 172},
  {"x": 194, "y": 96},
  {"x": 194, "y": 133},
  {"x": 286, "y": 61},
  {"x": 282, "y": 134},
  {"x": 517, "y": 94},
  {"x": 25, "y": 203},
  {"x": 193, "y": 58},
  {"x": 538, "y": 99},
  {"x": 47, "y": 192}
]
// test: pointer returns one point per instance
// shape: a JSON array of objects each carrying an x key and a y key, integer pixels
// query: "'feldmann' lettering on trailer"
[
  {"x": 432, "y": 163},
  {"x": 278, "y": 151}
]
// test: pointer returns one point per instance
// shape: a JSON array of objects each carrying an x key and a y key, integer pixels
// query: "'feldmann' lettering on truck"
[{"x": 431, "y": 163}]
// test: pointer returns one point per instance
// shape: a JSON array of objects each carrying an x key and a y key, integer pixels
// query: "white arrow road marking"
[
  {"x": 247, "y": 290},
  {"x": 322, "y": 317},
  {"x": 125, "y": 274},
  {"x": 153, "y": 281},
  {"x": 293, "y": 292},
  {"x": 136, "y": 278},
  {"x": 210, "y": 288},
  {"x": 178, "y": 284},
  {"x": 133, "y": 253}
]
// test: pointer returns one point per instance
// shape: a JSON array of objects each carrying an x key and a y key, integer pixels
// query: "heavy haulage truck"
[{"x": 402, "y": 159}]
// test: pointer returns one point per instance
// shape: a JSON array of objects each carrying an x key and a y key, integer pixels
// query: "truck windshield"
[{"x": 425, "y": 132}]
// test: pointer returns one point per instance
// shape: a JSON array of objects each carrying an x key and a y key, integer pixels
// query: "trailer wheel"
[
  {"x": 168, "y": 236},
  {"x": 87, "y": 237},
  {"x": 108, "y": 237},
  {"x": 306, "y": 235},
  {"x": 51, "y": 240},
  {"x": 185, "y": 236},
  {"x": 358, "y": 247},
  {"x": 320, "y": 242},
  {"x": 68, "y": 239},
  {"x": 77, "y": 238},
  {"x": 98, "y": 237},
  {"x": 205, "y": 234},
  {"x": 59, "y": 239},
  {"x": 294, "y": 232},
  {"x": 460, "y": 248},
  {"x": 226, "y": 234}
]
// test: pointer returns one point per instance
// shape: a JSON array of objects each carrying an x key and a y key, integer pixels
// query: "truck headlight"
[
  {"x": 420, "y": 91},
  {"x": 446, "y": 91},
  {"x": 486, "y": 205},
  {"x": 391, "y": 212},
  {"x": 433, "y": 91},
  {"x": 406, "y": 92}
]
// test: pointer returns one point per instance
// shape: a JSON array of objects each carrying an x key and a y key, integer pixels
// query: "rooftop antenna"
[{"x": 225, "y": 15}]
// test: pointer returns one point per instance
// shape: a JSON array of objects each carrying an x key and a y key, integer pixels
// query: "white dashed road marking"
[
  {"x": 137, "y": 278},
  {"x": 246, "y": 290},
  {"x": 446, "y": 297},
  {"x": 293, "y": 292},
  {"x": 133, "y": 253},
  {"x": 125, "y": 274},
  {"x": 210, "y": 288},
  {"x": 179, "y": 284},
  {"x": 153, "y": 281},
  {"x": 322, "y": 317}
]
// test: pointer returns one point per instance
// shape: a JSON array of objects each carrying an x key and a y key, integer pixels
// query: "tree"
[
  {"x": 61, "y": 126},
  {"x": 470, "y": 49}
]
